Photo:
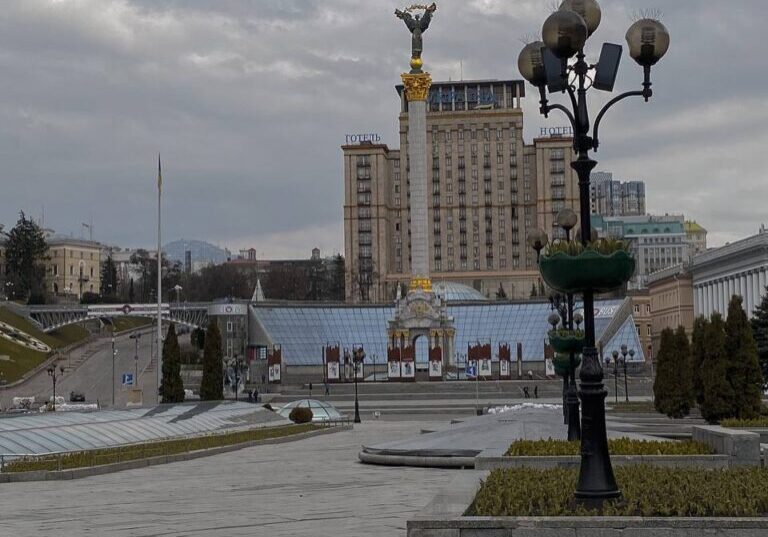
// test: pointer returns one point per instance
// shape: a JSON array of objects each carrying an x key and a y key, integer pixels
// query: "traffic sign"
[{"x": 127, "y": 379}]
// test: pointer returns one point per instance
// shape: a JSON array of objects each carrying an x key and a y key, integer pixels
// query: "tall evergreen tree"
[
  {"x": 744, "y": 372},
  {"x": 212, "y": 384},
  {"x": 26, "y": 252},
  {"x": 109, "y": 280},
  {"x": 697, "y": 355},
  {"x": 337, "y": 278},
  {"x": 671, "y": 388},
  {"x": 717, "y": 394},
  {"x": 760, "y": 332},
  {"x": 171, "y": 387},
  {"x": 501, "y": 294}
]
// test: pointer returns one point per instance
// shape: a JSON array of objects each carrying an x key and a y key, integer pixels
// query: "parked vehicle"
[{"x": 76, "y": 397}]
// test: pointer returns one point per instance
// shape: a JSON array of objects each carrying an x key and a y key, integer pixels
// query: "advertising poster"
[{"x": 333, "y": 370}]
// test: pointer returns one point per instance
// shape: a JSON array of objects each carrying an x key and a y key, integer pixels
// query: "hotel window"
[
  {"x": 499, "y": 134},
  {"x": 637, "y": 308},
  {"x": 230, "y": 327},
  {"x": 502, "y": 263}
]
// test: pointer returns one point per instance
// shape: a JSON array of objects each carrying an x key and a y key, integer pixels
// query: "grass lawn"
[
  {"x": 646, "y": 491},
  {"x": 121, "y": 324},
  {"x": 22, "y": 359},
  {"x": 83, "y": 459}
]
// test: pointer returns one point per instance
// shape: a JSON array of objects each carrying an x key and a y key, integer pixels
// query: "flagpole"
[{"x": 159, "y": 280}]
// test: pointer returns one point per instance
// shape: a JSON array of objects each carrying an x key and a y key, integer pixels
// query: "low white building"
[{"x": 738, "y": 268}]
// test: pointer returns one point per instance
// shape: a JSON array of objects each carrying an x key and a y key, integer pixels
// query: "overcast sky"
[{"x": 249, "y": 101}]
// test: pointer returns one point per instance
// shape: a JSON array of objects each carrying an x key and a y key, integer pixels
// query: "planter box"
[
  {"x": 443, "y": 517},
  {"x": 743, "y": 447},
  {"x": 587, "y": 271}
]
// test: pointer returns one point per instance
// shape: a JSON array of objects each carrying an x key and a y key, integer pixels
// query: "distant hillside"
[{"x": 202, "y": 252}]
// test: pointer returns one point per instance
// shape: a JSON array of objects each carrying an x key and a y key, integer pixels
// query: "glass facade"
[
  {"x": 75, "y": 431},
  {"x": 304, "y": 330}
]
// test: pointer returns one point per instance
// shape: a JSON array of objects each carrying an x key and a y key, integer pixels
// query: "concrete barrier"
[
  {"x": 743, "y": 447},
  {"x": 77, "y": 473},
  {"x": 444, "y": 517}
]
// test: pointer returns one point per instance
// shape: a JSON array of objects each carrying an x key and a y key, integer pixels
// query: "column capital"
[{"x": 416, "y": 85}]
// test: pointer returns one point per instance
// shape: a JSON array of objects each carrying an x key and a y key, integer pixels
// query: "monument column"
[{"x": 416, "y": 91}]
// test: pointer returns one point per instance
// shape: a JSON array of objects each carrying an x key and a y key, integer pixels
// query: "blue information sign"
[{"x": 127, "y": 379}]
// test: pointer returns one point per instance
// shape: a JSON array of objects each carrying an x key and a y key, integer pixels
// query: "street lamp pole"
[
  {"x": 113, "y": 371},
  {"x": 52, "y": 373},
  {"x": 358, "y": 354},
  {"x": 136, "y": 337},
  {"x": 615, "y": 355},
  {"x": 624, "y": 363},
  {"x": 545, "y": 65}
]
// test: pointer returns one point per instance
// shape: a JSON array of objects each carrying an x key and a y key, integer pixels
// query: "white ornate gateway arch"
[{"x": 420, "y": 313}]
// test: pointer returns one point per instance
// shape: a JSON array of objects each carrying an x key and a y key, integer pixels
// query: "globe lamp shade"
[
  {"x": 589, "y": 10},
  {"x": 564, "y": 33},
  {"x": 531, "y": 64},
  {"x": 648, "y": 41}
]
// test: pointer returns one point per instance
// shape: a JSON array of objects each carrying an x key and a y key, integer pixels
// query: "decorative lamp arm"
[
  {"x": 646, "y": 93},
  {"x": 545, "y": 108}
]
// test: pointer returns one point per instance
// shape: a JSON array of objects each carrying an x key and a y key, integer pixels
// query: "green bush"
[
  {"x": 268, "y": 407},
  {"x": 300, "y": 414},
  {"x": 753, "y": 422},
  {"x": 646, "y": 491},
  {"x": 616, "y": 446},
  {"x": 96, "y": 457}
]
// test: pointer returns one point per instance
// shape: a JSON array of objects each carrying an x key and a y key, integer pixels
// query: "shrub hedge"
[
  {"x": 97, "y": 457},
  {"x": 646, "y": 491},
  {"x": 616, "y": 446},
  {"x": 762, "y": 421},
  {"x": 301, "y": 414},
  {"x": 632, "y": 406}
]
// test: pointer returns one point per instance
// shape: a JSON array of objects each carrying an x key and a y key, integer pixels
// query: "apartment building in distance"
[
  {"x": 609, "y": 197},
  {"x": 656, "y": 242},
  {"x": 488, "y": 190}
]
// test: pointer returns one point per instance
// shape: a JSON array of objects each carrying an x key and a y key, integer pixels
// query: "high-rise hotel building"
[{"x": 489, "y": 189}]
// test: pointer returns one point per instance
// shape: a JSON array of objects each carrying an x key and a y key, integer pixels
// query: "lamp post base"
[{"x": 596, "y": 480}]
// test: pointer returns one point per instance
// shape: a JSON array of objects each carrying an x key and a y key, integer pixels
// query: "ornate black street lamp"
[
  {"x": 624, "y": 363},
  {"x": 545, "y": 65},
  {"x": 54, "y": 375},
  {"x": 567, "y": 220},
  {"x": 358, "y": 355}
]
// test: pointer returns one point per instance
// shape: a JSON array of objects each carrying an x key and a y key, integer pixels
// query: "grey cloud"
[{"x": 249, "y": 100}]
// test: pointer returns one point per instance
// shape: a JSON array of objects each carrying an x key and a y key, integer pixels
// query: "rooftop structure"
[{"x": 303, "y": 329}]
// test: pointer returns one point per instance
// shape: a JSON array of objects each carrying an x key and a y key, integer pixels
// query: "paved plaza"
[{"x": 311, "y": 487}]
